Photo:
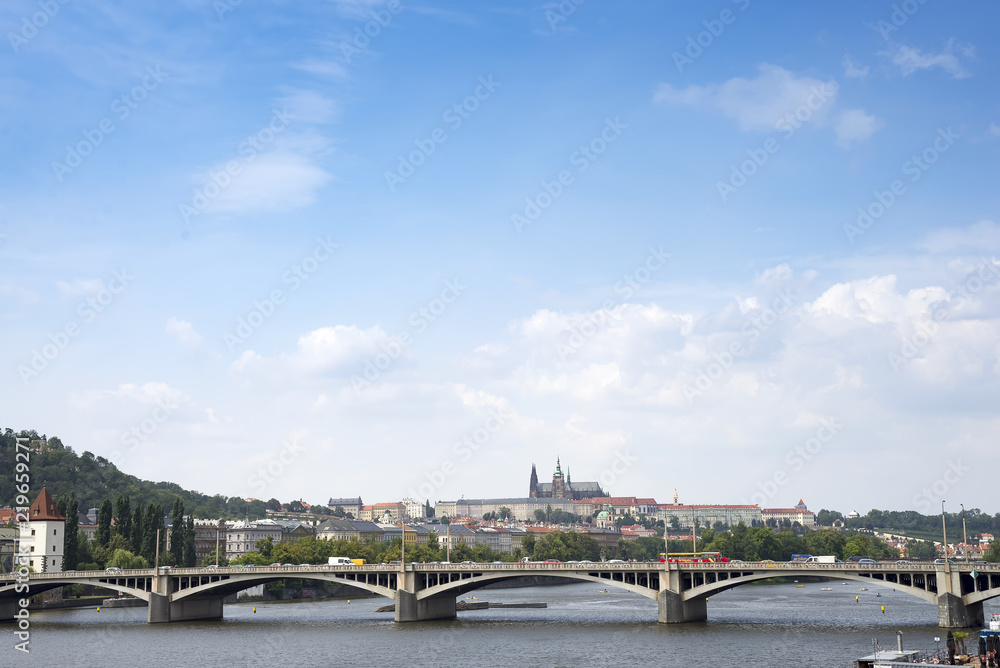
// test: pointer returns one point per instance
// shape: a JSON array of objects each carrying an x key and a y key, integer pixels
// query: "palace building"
[{"x": 562, "y": 487}]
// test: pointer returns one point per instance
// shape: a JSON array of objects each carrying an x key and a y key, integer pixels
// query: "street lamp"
[
  {"x": 944, "y": 533},
  {"x": 937, "y": 642},
  {"x": 965, "y": 538}
]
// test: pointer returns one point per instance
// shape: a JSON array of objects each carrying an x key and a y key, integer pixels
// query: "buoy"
[
  {"x": 348, "y": 601},
  {"x": 98, "y": 608},
  {"x": 856, "y": 599},
  {"x": 883, "y": 609},
  {"x": 255, "y": 609}
]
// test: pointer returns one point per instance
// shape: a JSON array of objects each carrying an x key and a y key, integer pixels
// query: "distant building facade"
[{"x": 799, "y": 513}]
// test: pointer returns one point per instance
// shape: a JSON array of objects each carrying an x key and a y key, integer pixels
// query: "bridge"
[{"x": 425, "y": 592}]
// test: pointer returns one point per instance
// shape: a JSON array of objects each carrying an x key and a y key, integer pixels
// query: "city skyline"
[{"x": 274, "y": 251}]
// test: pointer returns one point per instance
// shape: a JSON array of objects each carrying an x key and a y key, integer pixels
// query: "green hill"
[{"x": 94, "y": 479}]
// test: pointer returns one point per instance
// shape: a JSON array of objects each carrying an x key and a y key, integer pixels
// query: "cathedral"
[{"x": 562, "y": 487}]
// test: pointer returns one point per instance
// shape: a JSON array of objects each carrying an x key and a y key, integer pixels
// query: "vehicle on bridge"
[
  {"x": 824, "y": 559},
  {"x": 800, "y": 558},
  {"x": 694, "y": 558}
]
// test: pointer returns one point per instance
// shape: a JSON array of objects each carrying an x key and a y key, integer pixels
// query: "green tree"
[
  {"x": 136, "y": 528},
  {"x": 104, "y": 515},
  {"x": 190, "y": 555},
  {"x": 921, "y": 549},
  {"x": 265, "y": 546},
  {"x": 992, "y": 554},
  {"x": 124, "y": 559},
  {"x": 123, "y": 518},
  {"x": 528, "y": 544},
  {"x": 209, "y": 559},
  {"x": 177, "y": 530},
  {"x": 71, "y": 555}
]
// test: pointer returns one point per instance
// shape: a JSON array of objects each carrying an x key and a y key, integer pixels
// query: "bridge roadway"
[{"x": 430, "y": 591}]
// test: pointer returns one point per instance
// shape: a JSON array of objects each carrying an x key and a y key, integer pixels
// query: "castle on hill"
[{"x": 562, "y": 487}]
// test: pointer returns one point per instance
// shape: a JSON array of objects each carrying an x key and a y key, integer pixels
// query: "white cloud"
[
  {"x": 80, "y": 287},
  {"x": 279, "y": 180},
  {"x": 309, "y": 106},
  {"x": 855, "y": 126},
  {"x": 22, "y": 294},
  {"x": 759, "y": 103},
  {"x": 329, "y": 69},
  {"x": 852, "y": 71},
  {"x": 994, "y": 130},
  {"x": 183, "y": 331},
  {"x": 910, "y": 59}
]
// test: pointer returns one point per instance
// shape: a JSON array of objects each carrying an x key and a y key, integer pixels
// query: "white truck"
[
  {"x": 340, "y": 561},
  {"x": 827, "y": 559}
]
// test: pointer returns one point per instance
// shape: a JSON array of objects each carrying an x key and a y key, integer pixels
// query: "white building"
[
  {"x": 799, "y": 513},
  {"x": 414, "y": 509},
  {"x": 44, "y": 535},
  {"x": 242, "y": 536}
]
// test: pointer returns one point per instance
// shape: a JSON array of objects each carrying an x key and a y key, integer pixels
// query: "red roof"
[{"x": 44, "y": 508}]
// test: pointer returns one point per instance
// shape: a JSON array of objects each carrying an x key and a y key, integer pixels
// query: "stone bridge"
[{"x": 430, "y": 591}]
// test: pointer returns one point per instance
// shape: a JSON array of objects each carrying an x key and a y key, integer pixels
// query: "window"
[
  {"x": 32, "y": 548},
  {"x": 32, "y": 532},
  {"x": 54, "y": 532}
]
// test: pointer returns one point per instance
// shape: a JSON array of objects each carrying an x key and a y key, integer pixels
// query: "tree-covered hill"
[{"x": 94, "y": 479}]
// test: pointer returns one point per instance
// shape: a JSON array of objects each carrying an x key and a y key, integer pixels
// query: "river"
[{"x": 752, "y": 625}]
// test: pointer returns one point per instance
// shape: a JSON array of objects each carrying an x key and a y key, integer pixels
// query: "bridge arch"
[
  {"x": 39, "y": 586},
  {"x": 237, "y": 583},
  {"x": 478, "y": 581},
  {"x": 712, "y": 588}
]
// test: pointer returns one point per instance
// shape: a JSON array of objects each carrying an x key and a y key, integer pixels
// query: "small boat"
[
  {"x": 864, "y": 589},
  {"x": 799, "y": 586},
  {"x": 605, "y": 591},
  {"x": 843, "y": 583},
  {"x": 826, "y": 589},
  {"x": 878, "y": 594}
]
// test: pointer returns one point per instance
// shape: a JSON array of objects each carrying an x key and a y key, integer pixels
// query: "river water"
[{"x": 752, "y": 625}]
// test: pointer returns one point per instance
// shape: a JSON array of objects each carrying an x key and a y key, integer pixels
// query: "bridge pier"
[
  {"x": 410, "y": 609},
  {"x": 954, "y": 613},
  {"x": 8, "y": 608},
  {"x": 162, "y": 610},
  {"x": 675, "y": 610}
]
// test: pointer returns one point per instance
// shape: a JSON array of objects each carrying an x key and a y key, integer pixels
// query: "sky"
[{"x": 386, "y": 249}]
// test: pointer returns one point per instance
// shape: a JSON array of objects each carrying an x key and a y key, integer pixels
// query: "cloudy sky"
[{"x": 410, "y": 248}]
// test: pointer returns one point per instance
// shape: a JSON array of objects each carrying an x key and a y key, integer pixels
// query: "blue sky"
[{"x": 520, "y": 172}]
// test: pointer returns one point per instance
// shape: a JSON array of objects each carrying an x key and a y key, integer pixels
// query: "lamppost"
[
  {"x": 944, "y": 533},
  {"x": 937, "y": 643},
  {"x": 965, "y": 537}
]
